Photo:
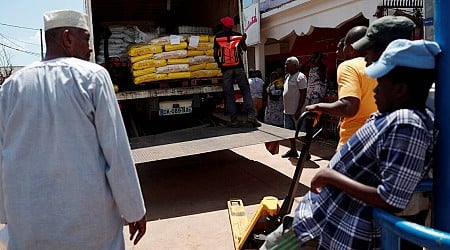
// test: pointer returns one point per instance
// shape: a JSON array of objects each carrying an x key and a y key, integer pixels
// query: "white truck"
[{"x": 184, "y": 106}]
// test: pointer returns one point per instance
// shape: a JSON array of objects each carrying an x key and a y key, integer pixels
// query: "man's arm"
[
  {"x": 301, "y": 102},
  {"x": 345, "y": 107},
  {"x": 357, "y": 190}
]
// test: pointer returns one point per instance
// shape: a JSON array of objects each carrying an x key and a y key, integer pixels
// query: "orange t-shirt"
[{"x": 353, "y": 82}]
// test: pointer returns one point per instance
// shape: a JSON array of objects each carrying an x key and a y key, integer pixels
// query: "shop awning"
[{"x": 302, "y": 16}]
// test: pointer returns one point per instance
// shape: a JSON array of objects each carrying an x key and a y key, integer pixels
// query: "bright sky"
[{"x": 28, "y": 13}]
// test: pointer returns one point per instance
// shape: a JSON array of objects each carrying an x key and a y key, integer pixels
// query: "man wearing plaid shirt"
[{"x": 381, "y": 164}]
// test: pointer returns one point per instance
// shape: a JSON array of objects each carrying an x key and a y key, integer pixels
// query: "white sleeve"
[
  {"x": 121, "y": 172},
  {"x": 301, "y": 81}
]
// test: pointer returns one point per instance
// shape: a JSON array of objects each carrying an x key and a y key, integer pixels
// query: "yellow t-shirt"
[{"x": 353, "y": 82}]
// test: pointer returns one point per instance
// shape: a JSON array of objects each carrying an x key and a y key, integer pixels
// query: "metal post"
[
  {"x": 441, "y": 178},
  {"x": 42, "y": 45}
]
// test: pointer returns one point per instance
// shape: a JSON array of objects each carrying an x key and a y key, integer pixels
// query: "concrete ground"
[{"x": 186, "y": 197}]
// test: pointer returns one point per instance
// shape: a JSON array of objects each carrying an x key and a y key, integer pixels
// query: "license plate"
[{"x": 175, "y": 108}]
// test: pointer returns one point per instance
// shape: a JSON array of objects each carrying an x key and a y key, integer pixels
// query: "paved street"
[{"x": 186, "y": 197}]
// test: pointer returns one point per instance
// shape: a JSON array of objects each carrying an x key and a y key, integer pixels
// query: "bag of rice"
[
  {"x": 171, "y": 54},
  {"x": 150, "y": 78},
  {"x": 201, "y": 59},
  {"x": 173, "y": 68}
]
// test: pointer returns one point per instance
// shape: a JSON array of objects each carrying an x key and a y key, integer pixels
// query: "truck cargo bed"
[{"x": 202, "y": 139}]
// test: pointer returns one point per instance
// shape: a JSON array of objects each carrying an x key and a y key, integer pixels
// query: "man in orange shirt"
[{"x": 355, "y": 89}]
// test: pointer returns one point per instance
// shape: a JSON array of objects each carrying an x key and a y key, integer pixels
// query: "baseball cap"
[
  {"x": 65, "y": 18},
  {"x": 385, "y": 30},
  {"x": 227, "y": 22},
  {"x": 418, "y": 54}
]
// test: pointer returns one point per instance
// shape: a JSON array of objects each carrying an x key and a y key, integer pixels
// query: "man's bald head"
[{"x": 353, "y": 35}]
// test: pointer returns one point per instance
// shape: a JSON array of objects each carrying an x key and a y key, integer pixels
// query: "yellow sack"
[
  {"x": 148, "y": 64},
  {"x": 212, "y": 66},
  {"x": 210, "y": 52},
  {"x": 150, "y": 78},
  {"x": 203, "y": 46},
  {"x": 171, "y": 54},
  {"x": 141, "y": 49},
  {"x": 204, "y": 73},
  {"x": 179, "y": 75},
  {"x": 142, "y": 72},
  {"x": 197, "y": 67},
  {"x": 202, "y": 38},
  {"x": 134, "y": 59},
  {"x": 178, "y": 61},
  {"x": 211, "y": 39},
  {"x": 195, "y": 53},
  {"x": 201, "y": 59},
  {"x": 219, "y": 74},
  {"x": 173, "y": 68},
  {"x": 172, "y": 47}
]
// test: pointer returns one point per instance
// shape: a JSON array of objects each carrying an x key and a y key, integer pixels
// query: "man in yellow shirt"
[{"x": 355, "y": 90}]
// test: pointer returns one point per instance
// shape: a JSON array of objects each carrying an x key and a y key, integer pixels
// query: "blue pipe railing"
[{"x": 393, "y": 228}]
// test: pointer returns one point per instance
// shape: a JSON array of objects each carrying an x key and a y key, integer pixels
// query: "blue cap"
[{"x": 418, "y": 54}]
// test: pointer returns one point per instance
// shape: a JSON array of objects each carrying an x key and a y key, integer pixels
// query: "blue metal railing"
[{"x": 393, "y": 229}]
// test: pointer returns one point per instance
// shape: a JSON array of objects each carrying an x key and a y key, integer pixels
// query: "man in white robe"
[{"x": 67, "y": 177}]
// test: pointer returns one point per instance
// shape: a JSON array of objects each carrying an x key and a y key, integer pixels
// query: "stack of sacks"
[
  {"x": 201, "y": 61},
  {"x": 121, "y": 38},
  {"x": 161, "y": 60}
]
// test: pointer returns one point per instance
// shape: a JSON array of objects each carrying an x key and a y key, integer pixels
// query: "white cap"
[{"x": 65, "y": 18}]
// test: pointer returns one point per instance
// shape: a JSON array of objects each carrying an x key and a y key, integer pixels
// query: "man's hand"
[
  {"x": 320, "y": 179},
  {"x": 314, "y": 108},
  {"x": 139, "y": 227}
]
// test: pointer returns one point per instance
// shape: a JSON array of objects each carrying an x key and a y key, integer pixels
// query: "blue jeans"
[{"x": 237, "y": 75}]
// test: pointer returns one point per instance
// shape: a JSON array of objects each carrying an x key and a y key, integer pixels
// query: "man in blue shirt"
[{"x": 381, "y": 164}]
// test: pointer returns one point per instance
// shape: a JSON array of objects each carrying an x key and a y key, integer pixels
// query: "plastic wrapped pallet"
[
  {"x": 171, "y": 54},
  {"x": 201, "y": 59},
  {"x": 196, "y": 67},
  {"x": 173, "y": 68},
  {"x": 134, "y": 59},
  {"x": 195, "y": 52},
  {"x": 142, "y": 72},
  {"x": 172, "y": 47},
  {"x": 212, "y": 66},
  {"x": 178, "y": 61},
  {"x": 148, "y": 64},
  {"x": 204, "y": 73},
  {"x": 142, "y": 49},
  {"x": 150, "y": 78},
  {"x": 179, "y": 75}
]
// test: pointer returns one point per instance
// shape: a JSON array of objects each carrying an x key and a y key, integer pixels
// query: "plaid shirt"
[{"x": 392, "y": 152}]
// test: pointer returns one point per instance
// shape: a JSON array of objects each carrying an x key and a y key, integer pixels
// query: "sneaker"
[
  {"x": 290, "y": 153},
  {"x": 253, "y": 122}
]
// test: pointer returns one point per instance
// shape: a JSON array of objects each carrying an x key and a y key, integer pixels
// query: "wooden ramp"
[{"x": 202, "y": 139}]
